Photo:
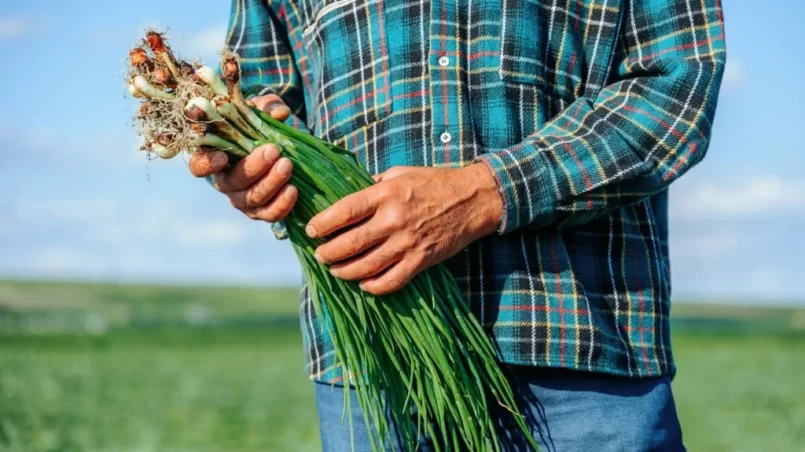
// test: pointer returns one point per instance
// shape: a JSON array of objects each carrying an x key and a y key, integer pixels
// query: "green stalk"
[
  {"x": 421, "y": 344},
  {"x": 418, "y": 359}
]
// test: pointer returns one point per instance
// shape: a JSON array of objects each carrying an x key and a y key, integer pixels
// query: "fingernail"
[
  {"x": 362, "y": 286},
  {"x": 219, "y": 160},
  {"x": 311, "y": 232},
  {"x": 284, "y": 166},
  {"x": 290, "y": 192},
  {"x": 334, "y": 272},
  {"x": 318, "y": 257},
  {"x": 270, "y": 153},
  {"x": 280, "y": 110}
]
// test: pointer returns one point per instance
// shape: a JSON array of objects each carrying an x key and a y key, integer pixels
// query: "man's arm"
[
  {"x": 267, "y": 64},
  {"x": 258, "y": 184},
  {"x": 630, "y": 142},
  {"x": 633, "y": 139}
]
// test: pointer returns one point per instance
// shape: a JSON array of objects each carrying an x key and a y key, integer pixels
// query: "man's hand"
[
  {"x": 412, "y": 219},
  {"x": 258, "y": 184}
]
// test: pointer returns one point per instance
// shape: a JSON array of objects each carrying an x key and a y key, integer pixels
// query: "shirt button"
[
  {"x": 445, "y": 138},
  {"x": 444, "y": 61}
]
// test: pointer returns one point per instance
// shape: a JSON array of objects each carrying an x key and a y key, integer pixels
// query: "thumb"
[{"x": 273, "y": 105}]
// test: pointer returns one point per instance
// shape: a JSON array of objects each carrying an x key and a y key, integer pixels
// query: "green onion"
[
  {"x": 417, "y": 358},
  {"x": 141, "y": 85}
]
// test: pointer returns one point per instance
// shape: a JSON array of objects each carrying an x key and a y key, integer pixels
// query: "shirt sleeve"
[
  {"x": 632, "y": 139},
  {"x": 261, "y": 41},
  {"x": 267, "y": 63}
]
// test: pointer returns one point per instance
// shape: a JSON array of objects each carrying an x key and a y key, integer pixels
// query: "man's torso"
[{"x": 437, "y": 83}]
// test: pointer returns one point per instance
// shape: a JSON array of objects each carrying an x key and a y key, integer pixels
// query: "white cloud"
[
  {"x": 753, "y": 198},
  {"x": 734, "y": 75},
  {"x": 14, "y": 27}
]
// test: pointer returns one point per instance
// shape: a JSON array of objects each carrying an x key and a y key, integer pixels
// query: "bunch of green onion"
[{"x": 417, "y": 358}]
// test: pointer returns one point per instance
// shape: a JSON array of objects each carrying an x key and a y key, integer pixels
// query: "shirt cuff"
[
  {"x": 523, "y": 181},
  {"x": 279, "y": 230}
]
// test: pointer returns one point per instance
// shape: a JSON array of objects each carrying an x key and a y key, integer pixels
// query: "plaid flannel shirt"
[{"x": 584, "y": 110}]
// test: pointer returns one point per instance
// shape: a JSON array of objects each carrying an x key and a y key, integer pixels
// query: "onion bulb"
[
  {"x": 148, "y": 90},
  {"x": 207, "y": 75}
]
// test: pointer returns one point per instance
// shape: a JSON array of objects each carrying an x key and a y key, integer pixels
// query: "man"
[{"x": 529, "y": 145}]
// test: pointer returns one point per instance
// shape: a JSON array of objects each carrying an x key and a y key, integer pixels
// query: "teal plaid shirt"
[{"x": 584, "y": 110}]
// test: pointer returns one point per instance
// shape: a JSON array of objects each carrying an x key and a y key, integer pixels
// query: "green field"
[{"x": 124, "y": 368}]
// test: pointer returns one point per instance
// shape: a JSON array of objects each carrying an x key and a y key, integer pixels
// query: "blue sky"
[{"x": 80, "y": 203}]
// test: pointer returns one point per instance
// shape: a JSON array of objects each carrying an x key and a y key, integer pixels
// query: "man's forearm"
[{"x": 632, "y": 139}]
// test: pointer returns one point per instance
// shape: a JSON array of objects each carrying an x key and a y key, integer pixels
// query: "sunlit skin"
[{"x": 412, "y": 219}]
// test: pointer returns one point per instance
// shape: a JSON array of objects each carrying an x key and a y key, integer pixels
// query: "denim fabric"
[{"x": 568, "y": 411}]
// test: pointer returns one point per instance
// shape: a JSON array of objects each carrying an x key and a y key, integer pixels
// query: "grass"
[
  {"x": 166, "y": 391},
  {"x": 741, "y": 393},
  {"x": 176, "y": 369}
]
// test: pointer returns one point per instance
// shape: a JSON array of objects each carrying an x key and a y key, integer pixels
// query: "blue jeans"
[{"x": 567, "y": 411}]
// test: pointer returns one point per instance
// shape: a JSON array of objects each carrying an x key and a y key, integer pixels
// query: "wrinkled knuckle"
[
  {"x": 254, "y": 198},
  {"x": 354, "y": 243},
  {"x": 408, "y": 241},
  {"x": 394, "y": 218},
  {"x": 350, "y": 211},
  {"x": 386, "y": 191},
  {"x": 398, "y": 253},
  {"x": 251, "y": 202}
]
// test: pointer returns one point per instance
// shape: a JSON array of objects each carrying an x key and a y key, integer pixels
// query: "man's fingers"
[
  {"x": 343, "y": 213},
  {"x": 349, "y": 243},
  {"x": 279, "y": 207},
  {"x": 248, "y": 170},
  {"x": 391, "y": 280},
  {"x": 264, "y": 189},
  {"x": 206, "y": 163},
  {"x": 273, "y": 105},
  {"x": 368, "y": 264}
]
